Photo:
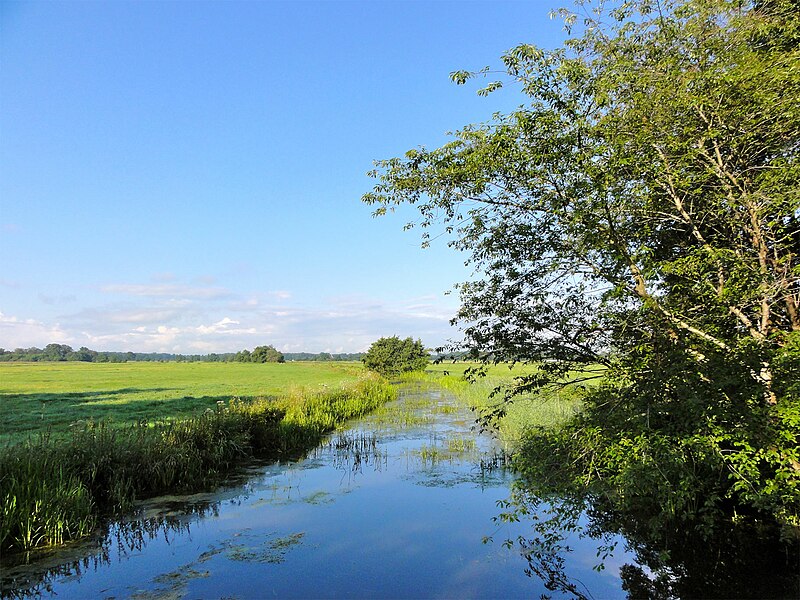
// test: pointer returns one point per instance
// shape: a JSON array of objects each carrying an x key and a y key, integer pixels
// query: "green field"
[
  {"x": 40, "y": 397},
  {"x": 54, "y": 397},
  {"x": 84, "y": 440}
]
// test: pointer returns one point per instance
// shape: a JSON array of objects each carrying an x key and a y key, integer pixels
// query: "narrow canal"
[{"x": 400, "y": 504}]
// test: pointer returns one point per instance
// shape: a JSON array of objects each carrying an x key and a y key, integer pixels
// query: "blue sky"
[{"x": 186, "y": 176}]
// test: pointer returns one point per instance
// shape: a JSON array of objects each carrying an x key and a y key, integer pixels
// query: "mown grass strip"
[{"x": 56, "y": 490}]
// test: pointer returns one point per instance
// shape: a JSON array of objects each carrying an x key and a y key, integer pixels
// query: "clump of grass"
[
  {"x": 460, "y": 445},
  {"x": 452, "y": 448},
  {"x": 429, "y": 454},
  {"x": 42, "y": 503},
  {"x": 55, "y": 490},
  {"x": 400, "y": 417}
]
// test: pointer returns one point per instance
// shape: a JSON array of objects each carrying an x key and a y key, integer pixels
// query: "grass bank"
[
  {"x": 527, "y": 411},
  {"x": 55, "y": 489},
  {"x": 58, "y": 397}
]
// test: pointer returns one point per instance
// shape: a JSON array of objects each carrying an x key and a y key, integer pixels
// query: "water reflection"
[
  {"x": 352, "y": 451},
  {"x": 34, "y": 573},
  {"x": 744, "y": 560},
  {"x": 685, "y": 560},
  {"x": 409, "y": 502}
]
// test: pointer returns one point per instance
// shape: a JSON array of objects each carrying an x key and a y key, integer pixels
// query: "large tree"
[
  {"x": 391, "y": 356},
  {"x": 264, "y": 354},
  {"x": 641, "y": 213}
]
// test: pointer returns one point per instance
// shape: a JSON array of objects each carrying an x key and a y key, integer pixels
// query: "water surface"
[{"x": 400, "y": 504}]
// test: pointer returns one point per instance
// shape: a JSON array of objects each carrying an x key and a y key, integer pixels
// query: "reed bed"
[{"x": 56, "y": 490}]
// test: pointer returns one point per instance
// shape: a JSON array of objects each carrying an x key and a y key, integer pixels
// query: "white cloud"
[
  {"x": 154, "y": 321},
  {"x": 224, "y": 327},
  {"x": 24, "y": 333}
]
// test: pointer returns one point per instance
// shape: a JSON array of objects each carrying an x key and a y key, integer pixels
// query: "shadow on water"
[{"x": 681, "y": 560}]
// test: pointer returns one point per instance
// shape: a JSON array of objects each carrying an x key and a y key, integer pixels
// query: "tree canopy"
[
  {"x": 264, "y": 354},
  {"x": 392, "y": 356},
  {"x": 638, "y": 219}
]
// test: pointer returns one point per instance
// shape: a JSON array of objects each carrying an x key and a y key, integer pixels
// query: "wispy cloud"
[
  {"x": 57, "y": 300},
  {"x": 125, "y": 315},
  {"x": 280, "y": 294},
  {"x": 164, "y": 277},
  {"x": 174, "y": 317},
  {"x": 168, "y": 290}
]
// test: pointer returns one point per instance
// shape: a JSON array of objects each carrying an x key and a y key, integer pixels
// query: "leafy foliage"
[
  {"x": 641, "y": 212},
  {"x": 263, "y": 354},
  {"x": 260, "y": 354},
  {"x": 392, "y": 356}
]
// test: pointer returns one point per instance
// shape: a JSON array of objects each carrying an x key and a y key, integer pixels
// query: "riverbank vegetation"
[
  {"x": 487, "y": 393},
  {"x": 54, "y": 489},
  {"x": 640, "y": 212}
]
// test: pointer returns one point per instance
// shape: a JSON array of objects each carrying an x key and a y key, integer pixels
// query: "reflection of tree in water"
[
  {"x": 685, "y": 560},
  {"x": 29, "y": 580},
  {"x": 734, "y": 561}
]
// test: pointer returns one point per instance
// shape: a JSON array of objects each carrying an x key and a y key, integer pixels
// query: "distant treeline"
[
  {"x": 63, "y": 352},
  {"x": 323, "y": 356}
]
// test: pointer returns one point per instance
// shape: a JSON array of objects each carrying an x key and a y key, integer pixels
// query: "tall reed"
[{"x": 53, "y": 491}]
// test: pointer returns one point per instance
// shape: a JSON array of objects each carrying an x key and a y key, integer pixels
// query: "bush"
[{"x": 392, "y": 356}]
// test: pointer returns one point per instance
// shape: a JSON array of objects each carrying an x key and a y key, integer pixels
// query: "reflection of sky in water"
[{"x": 383, "y": 510}]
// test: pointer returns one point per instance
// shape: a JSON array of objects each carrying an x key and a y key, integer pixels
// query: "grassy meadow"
[
  {"x": 91, "y": 439},
  {"x": 56, "y": 397}
]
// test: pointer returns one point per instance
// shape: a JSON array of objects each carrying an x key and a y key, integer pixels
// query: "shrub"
[{"x": 392, "y": 356}]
